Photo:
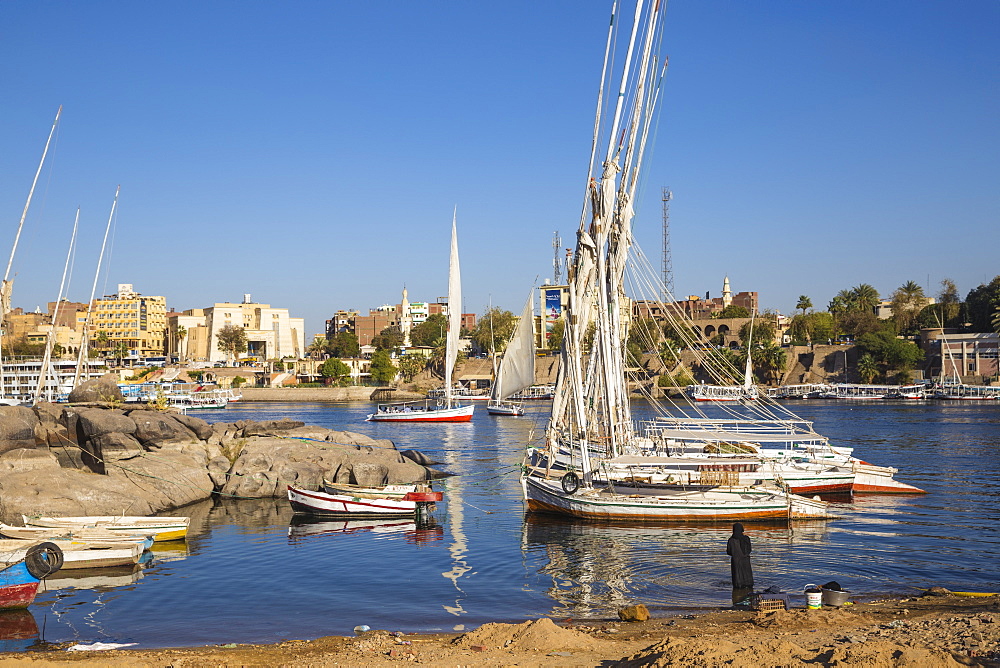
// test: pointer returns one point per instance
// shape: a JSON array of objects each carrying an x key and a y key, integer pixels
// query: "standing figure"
[{"x": 738, "y": 548}]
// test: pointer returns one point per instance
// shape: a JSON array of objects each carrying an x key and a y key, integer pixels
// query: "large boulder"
[
  {"x": 17, "y": 427},
  {"x": 92, "y": 422},
  {"x": 270, "y": 427},
  {"x": 201, "y": 429},
  {"x": 27, "y": 459},
  {"x": 154, "y": 429},
  {"x": 103, "y": 389}
]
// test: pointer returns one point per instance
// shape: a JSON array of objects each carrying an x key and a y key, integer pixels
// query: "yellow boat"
[{"x": 162, "y": 528}]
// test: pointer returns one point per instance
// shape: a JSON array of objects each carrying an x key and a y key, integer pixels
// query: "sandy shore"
[{"x": 933, "y": 631}]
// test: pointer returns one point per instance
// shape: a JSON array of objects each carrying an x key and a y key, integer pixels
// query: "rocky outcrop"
[
  {"x": 100, "y": 460},
  {"x": 103, "y": 389}
]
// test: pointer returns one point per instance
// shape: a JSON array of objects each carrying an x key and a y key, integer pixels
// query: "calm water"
[{"x": 249, "y": 573}]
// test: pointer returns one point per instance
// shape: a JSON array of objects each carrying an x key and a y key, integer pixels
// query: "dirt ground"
[{"x": 933, "y": 631}]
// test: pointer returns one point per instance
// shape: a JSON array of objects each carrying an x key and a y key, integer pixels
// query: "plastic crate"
[{"x": 768, "y": 604}]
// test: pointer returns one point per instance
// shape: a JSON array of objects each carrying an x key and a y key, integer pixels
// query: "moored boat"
[
  {"x": 348, "y": 505},
  {"x": 161, "y": 528},
  {"x": 76, "y": 554},
  {"x": 19, "y": 582}
]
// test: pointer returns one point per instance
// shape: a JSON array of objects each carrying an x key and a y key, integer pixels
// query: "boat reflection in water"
[
  {"x": 93, "y": 578},
  {"x": 305, "y": 527},
  {"x": 18, "y": 630},
  {"x": 597, "y": 568}
]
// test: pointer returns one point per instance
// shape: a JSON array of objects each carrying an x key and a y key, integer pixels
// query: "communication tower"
[
  {"x": 556, "y": 258},
  {"x": 667, "y": 268}
]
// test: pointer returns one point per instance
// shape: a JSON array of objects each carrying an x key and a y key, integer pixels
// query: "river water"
[{"x": 250, "y": 573}]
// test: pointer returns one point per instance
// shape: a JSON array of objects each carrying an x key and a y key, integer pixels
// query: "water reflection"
[
  {"x": 304, "y": 528},
  {"x": 18, "y": 630},
  {"x": 595, "y": 568},
  {"x": 92, "y": 578}
]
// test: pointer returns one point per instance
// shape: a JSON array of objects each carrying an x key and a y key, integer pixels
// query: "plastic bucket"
[
  {"x": 814, "y": 597},
  {"x": 835, "y": 598}
]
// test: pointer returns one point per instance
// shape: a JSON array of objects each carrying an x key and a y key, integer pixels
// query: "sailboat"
[
  {"x": 434, "y": 410},
  {"x": 591, "y": 413},
  {"x": 517, "y": 368}
]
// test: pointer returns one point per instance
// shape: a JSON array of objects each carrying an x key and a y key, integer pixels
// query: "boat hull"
[
  {"x": 546, "y": 495},
  {"x": 160, "y": 528},
  {"x": 17, "y": 587},
  {"x": 344, "y": 505},
  {"x": 456, "y": 414}
]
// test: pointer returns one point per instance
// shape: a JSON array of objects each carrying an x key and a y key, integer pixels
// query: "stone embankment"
[
  {"x": 96, "y": 457},
  {"x": 320, "y": 394}
]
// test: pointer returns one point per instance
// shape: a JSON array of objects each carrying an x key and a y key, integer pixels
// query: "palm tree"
[
  {"x": 181, "y": 335},
  {"x": 804, "y": 303},
  {"x": 865, "y": 297},
  {"x": 843, "y": 301},
  {"x": 996, "y": 320},
  {"x": 867, "y": 367}
]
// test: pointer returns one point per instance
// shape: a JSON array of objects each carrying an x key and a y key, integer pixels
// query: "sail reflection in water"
[
  {"x": 598, "y": 568},
  {"x": 305, "y": 528}
]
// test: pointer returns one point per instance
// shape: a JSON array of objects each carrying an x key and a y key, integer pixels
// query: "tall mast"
[
  {"x": 557, "y": 259},
  {"x": 50, "y": 340},
  {"x": 85, "y": 344},
  {"x": 7, "y": 285}
]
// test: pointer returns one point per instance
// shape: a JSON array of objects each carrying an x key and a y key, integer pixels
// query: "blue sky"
[{"x": 310, "y": 153}]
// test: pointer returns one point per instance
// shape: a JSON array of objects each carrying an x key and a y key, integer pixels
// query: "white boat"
[
  {"x": 384, "y": 492},
  {"x": 76, "y": 554},
  {"x": 89, "y": 535},
  {"x": 855, "y": 392},
  {"x": 430, "y": 410},
  {"x": 706, "y": 392},
  {"x": 517, "y": 367},
  {"x": 349, "y": 505},
  {"x": 535, "y": 393},
  {"x": 591, "y": 411},
  {"x": 910, "y": 392},
  {"x": 161, "y": 528},
  {"x": 963, "y": 392}
]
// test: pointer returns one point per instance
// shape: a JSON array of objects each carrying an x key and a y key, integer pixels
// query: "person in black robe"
[{"x": 738, "y": 548}]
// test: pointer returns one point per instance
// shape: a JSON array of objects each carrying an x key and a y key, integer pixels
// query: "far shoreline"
[{"x": 338, "y": 394}]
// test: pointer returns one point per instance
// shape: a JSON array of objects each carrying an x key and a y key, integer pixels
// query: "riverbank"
[
  {"x": 322, "y": 394},
  {"x": 937, "y": 631}
]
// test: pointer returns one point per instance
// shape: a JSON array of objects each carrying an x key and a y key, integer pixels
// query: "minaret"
[
  {"x": 727, "y": 294},
  {"x": 404, "y": 319}
]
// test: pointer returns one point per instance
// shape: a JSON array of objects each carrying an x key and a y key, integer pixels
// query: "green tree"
[
  {"x": 890, "y": 352},
  {"x": 344, "y": 345},
  {"x": 232, "y": 341},
  {"x": 181, "y": 332},
  {"x": 768, "y": 362},
  {"x": 494, "y": 330},
  {"x": 239, "y": 381},
  {"x": 860, "y": 322},
  {"x": 101, "y": 339},
  {"x": 980, "y": 305},
  {"x": 382, "y": 370},
  {"x": 812, "y": 327},
  {"x": 765, "y": 328},
  {"x": 907, "y": 302},
  {"x": 429, "y": 331},
  {"x": 334, "y": 370},
  {"x": 317, "y": 347},
  {"x": 996, "y": 320},
  {"x": 949, "y": 305},
  {"x": 556, "y": 335},
  {"x": 389, "y": 338},
  {"x": 733, "y": 311},
  {"x": 410, "y": 365},
  {"x": 804, "y": 303},
  {"x": 865, "y": 297},
  {"x": 867, "y": 367}
]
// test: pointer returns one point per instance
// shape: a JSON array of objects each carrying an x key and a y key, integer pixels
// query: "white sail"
[
  {"x": 454, "y": 310},
  {"x": 517, "y": 369}
]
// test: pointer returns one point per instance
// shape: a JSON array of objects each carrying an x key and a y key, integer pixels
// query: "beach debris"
[
  {"x": 100, "y": 646},
  {"x": 634, "y": 613},
  {"x": 361, "y": 628},
  {"x": 937, "y": 591}
]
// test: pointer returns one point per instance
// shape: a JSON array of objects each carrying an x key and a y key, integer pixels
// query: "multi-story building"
[
  {"x": 127, "y": 317},
  {"x": 271, "y": 332},
  {"x": 367, "y": 327}
]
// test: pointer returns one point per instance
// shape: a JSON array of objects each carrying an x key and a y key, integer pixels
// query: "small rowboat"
[
  {"x": 348, "y": 505},
  {"x": 77, "y": 554},
  {"x": 161, "y": 528},
  {"x": 386, "y": 492},
  {"x": 86, "y": 535}
]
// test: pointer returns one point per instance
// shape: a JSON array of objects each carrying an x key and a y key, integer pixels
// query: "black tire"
[
  {"x": 43, "y": 560},
  {"x": 570, "y": 482}
]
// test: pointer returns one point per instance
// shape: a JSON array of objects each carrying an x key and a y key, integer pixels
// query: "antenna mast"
[
  {"x": 668, "y": 269},
  {"x": 556, "y": 258}
]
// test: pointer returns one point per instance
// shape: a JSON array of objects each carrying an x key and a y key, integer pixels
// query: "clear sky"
[{"x": 310, "y": 153}]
